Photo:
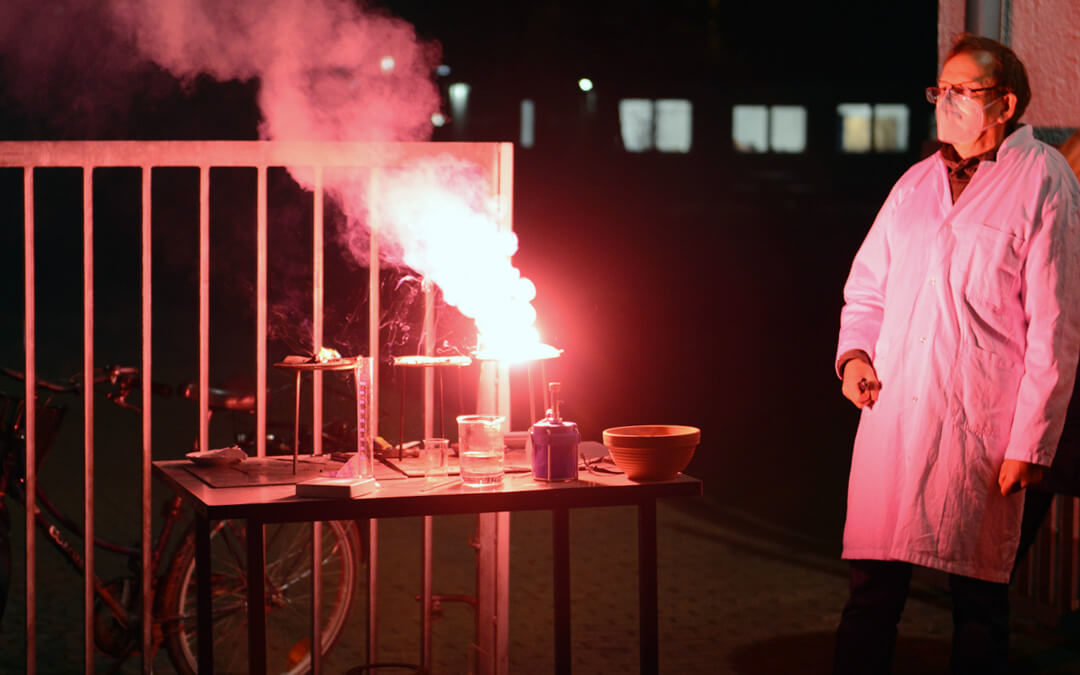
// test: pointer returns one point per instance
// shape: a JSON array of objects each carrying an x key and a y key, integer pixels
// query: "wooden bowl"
[{"x": 652, "y": 451}]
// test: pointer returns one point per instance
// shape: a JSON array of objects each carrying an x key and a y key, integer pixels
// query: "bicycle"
[{"x": 117, "y": 631}]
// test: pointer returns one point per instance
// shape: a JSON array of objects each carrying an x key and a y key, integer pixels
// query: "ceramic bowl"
[{"x": 648, "y": 452}]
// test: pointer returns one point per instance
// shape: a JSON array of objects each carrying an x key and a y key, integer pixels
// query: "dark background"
[{"x": 700, "y": 288}]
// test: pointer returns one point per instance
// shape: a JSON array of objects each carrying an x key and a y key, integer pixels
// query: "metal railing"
[
  {"x": 1047, "y": 583},
  {"x": 496, "y": 160}
]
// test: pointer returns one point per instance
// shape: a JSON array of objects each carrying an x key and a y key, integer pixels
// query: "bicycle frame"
[{"x": 49, "y": 519}]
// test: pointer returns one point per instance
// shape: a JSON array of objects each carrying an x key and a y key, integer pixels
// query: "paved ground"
[{"x": 737, "y": 595}]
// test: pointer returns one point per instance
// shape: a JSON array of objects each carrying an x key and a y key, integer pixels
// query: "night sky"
[{"x": 697, "y": 289}]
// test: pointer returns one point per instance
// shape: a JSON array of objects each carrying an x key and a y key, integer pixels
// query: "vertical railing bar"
[
  {"x": 502, "y": 519},
  {"x": 147, "y": 453},
  {"x": 30, "y": 368},
  {"x": 428, "y": 524},
  {"x": 373, "y": 409},
  {"x": 204, "y": 308},
  {"x": 260, "y": 313},
  {"x": 373, "y": 314},
  {"x": 317, "y": 412},
  {"x": 317, "y": 310},
  {"x": 88, "y": 417},
  {"x": 429, "y": 350}
]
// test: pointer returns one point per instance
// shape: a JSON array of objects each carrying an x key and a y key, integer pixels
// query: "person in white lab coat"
[{"x": 959, "y": 340}]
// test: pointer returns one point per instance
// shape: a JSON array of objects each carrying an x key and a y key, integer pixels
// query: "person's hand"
[
  {"x": 1015, "y": 475},
  {"x": 861, "y": 385}
]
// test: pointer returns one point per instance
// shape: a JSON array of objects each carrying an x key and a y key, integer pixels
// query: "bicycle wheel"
[{"x": 288, "y": 595}]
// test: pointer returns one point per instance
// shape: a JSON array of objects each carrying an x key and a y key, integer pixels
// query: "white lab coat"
[{"x": 971, "y": 315}]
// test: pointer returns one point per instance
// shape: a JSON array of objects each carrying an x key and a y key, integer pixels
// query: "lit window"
[
  {"x": 787, "y": 128},
  {"x": 759, "y": 128},
  {"x": 528, "y": 123},
  {"x": 750, "y": 128},
  {"x": 674, "y": 125},
  {"x": 666, "y": 124},
  {"x": 855, "y": 126},
  {"x": 890, "y": 127},
  {"x": 636, "y": 124},
  {"x": 881, "y": 127}
]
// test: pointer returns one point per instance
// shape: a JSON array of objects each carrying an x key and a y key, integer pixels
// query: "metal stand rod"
[
  {"x": 543, "y": 385},
  {"x": 532, "y": 395},
  {"x": 442, "y": 386},
  {"x": 296, "y": 425},
  {"x": 401, "y": 418}
]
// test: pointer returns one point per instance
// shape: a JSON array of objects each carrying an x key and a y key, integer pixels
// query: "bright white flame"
[
  {"x": 441, "y": 214},
  {"x": 438, "y": 119},
  {"x": 387, "y": 64},
  {"x": 585, "y": 84}
]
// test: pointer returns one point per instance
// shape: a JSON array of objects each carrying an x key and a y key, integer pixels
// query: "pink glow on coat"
[{"x": 971, "y": 314}]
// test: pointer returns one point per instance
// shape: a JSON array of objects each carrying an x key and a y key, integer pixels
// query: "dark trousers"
[{"x": 866, "y": 638}]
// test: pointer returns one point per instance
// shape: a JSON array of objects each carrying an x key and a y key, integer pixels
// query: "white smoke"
[
  {"x": 328, "y": 70},
  {"x": 320, "y": 63}
]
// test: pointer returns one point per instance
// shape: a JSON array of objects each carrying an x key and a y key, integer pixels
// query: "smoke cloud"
[{"x": 326, "y": 70}]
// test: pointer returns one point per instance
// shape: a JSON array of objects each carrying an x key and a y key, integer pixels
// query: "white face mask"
[{"x": 960, "y": 119}]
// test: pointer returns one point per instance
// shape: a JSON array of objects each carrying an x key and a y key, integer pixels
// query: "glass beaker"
[
  {"x": 481, "y": 451},
  {"x": 436, "y": 454}
]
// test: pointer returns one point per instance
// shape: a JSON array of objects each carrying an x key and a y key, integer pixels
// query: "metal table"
[{"x": 258, "y": 505}]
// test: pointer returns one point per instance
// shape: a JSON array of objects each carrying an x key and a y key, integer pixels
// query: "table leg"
[
  {"x": 256, "y": 569},
  {"x": 372, "y": 585},
  {"x": 647, "y": 599},
  {"x": 560, "y": 522},
  {"x": 425, "y": 597},
  {"x": 204, "y": 631}
]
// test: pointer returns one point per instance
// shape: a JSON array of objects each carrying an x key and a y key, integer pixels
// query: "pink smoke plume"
[{"x": 327, "y": 70}]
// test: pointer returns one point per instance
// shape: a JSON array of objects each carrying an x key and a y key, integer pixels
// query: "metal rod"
[
  {"x": 260, "y": 311},
  {"x": 373, "y": 309},
  {"x": 30, "y": 368},
  {"x": 296, "y": 425},
  {"x": 532, "y": 394},
  {"x": 401, "y": 418},
  {"x": 442, "y": 411},
  {"x": 373, "y": 406},
  {"x": 204, "y": 308},
  {"x": 317, "y": 311},
  {"x": 145, "y": 595},
  {"x": 543, "y": 385},
  {"x": 429, "y": 350},
  {"x": 88, "y": 417}
]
